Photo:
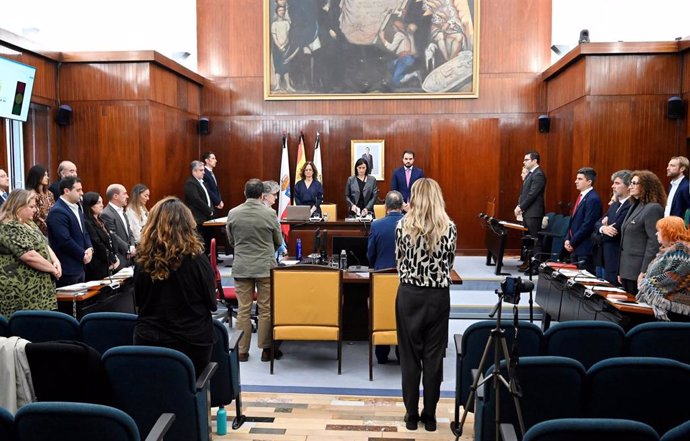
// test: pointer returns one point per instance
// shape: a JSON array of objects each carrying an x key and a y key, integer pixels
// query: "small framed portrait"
[{"x": 371, "y": 150}]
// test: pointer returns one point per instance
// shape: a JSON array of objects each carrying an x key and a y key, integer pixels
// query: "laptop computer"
[{"x": 298, "y": 213}]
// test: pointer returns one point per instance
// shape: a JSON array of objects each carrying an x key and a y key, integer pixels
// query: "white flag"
[
  {"x": 317, "y": 158},
  {"x": 284, "y": 196}
]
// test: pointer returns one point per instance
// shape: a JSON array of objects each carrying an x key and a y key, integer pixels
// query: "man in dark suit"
[
  {"x": 4, "y": 186},
  {"x": 65, "y": 169},
  {"x": 403, "y": 177},
  {"x": 198, "y": 200},
  {"x": 381, "y": 248},
  {"x": 67, "y": 233},
  {"x": 369, "y": 158},
  {"x": 210, "y": 180},
  {"x": 609, "y": 227},
  {"x": 117, "y": 223},
  {"x": 678, "y": 200},
  {"x": 531, "y": 201},
  {"x": 586, "y": 211}
]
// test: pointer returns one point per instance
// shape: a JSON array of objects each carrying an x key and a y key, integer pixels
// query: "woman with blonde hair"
[
  {"x": 137, "y": 213},
  {"x": 425, "y": 251},
  {"x": 174, "y": 284},
  {"x": 26, "y": 260},
  {"x": 666, "y": 284}
]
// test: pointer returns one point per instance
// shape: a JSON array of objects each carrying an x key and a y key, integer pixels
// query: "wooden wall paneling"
[
  {"x": 173, "y": 90},
  {"x": 40, "y": 146},
  {"x": 44, "y": 82},
  {"x": 465, "y": 162},
  {"x": 171, "y": 144},
  {"x": 558, "y": 159},
  {"x": 105, "y": 141},
  {"x": 104, "y": 81},
  {"x": 567, "y": 86},
  {"x": 633, "y": 74}
]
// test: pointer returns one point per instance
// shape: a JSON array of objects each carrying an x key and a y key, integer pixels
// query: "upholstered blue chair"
[
  {"x": 660, "y": 339},
  {"x": 42, "y": 326},
  {"x": 147, "y": 381},
  {"x": 587, "y": 341},
  {"x": 6, "y": 425},
  {"x": 225, "y": 384},
  {"x": 552, "y": 387},
  {"x": 651, "y": 390},
  {"x": 589, "y": 429},
  {"x": 678, "y": 433},
  {"x": 470, "y": 346},
  {"x": 4, "y": 327},
  {"x": 81, "y": 422},
  {"x": 105, "y": 330}
]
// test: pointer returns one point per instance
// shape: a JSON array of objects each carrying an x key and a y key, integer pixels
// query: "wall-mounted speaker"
[
  {"x": 203, "y": 126},
  {"x": 675, "y": 107},
  {"x": 544, "y": 123},
  {"x": 64, "y": 115}
]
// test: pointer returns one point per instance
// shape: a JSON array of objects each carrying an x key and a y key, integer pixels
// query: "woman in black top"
[
  {"x": 174, "y": 284},
  {"x": 425, "y": 251},
  {"x": 361, "y": 190},
  {"x": 104, "y": 261}
]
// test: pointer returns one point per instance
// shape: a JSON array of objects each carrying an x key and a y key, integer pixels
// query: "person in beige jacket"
[{"x": 254, "y": 233}]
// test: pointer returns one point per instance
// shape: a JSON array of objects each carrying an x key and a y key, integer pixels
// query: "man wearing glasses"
[{"x": 531, "y": 202}]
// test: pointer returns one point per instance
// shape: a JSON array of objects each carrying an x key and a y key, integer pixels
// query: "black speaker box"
[
  {"x": 544, "y": 124},
  {"x": 64, "y": 115},
  {"x": 675, "y": 107},
  {"x": 204, "y": 126}
]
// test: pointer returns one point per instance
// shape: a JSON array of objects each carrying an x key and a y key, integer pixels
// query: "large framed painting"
[
  {"x": 372, "y": 151},
  {"x": 371, "y": 49}
]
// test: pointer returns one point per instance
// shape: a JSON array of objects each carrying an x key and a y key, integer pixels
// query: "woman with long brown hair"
[
  {"x": 425, "y": 251},
  {"x": 638, "y": 231},
  {"x": 37, "y": 180},
  {"x": 174, "y": 284}
]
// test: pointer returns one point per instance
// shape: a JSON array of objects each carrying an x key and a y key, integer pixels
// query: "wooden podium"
[{"x": 496, "y": 238}]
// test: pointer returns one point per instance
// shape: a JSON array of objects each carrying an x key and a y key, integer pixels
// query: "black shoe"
[
  {"x": 382, "y": 360},
  {"x": 411, "y": 421},
  {"x": 429, "y": 423}
]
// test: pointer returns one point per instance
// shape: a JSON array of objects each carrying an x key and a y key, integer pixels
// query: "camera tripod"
[
  {"x": 497, "y": 339},
  {"x": 528, "y": 244}
]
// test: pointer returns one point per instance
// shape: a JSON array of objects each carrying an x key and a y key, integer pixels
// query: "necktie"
[
  {"x": 408, "y": 173},
  {"x": 4, "y": 196},
  {"x": 577, "y": 202}
]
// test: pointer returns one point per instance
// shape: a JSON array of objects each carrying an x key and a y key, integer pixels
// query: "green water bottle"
[{"x": 221, "y": 421}]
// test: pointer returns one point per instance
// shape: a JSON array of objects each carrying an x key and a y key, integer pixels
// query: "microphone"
[{"x": 354, "y": 256}]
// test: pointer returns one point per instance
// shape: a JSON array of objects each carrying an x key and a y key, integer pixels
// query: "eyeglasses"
[
  {"x": 634, "y": 183},
  {"x": 526, "y": 160}
]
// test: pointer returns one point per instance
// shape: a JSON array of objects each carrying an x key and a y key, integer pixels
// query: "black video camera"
[{"x": 512, "y": 287}]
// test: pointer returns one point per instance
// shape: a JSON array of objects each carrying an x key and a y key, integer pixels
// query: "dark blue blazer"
[
  {"x": 381, "y": 246},
  {"x": 312, "y": 196},
  {"x": 611, "y": 246},
  {"x": 681, "y": 201},
  {"x": 399, "y": 183},
  {"x": 212, "y": 187},
  {"x": 67, "y": 239},
  {"x": 582, "y": 224}
]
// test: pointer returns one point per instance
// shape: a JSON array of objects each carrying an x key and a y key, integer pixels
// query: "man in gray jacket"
[{"x": 254, "y": 233}]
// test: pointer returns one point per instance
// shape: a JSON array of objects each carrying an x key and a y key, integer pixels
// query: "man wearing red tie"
[
  {"x": 586, "y": 212},
  {"x": 404, "y": 177}
]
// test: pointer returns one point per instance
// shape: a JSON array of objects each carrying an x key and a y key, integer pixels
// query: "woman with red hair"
[{"x": 666, "y": 285}]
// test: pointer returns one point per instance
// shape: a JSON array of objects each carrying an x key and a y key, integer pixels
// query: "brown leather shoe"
[
  {"x": 266, "y": 355},
  {"x": 523, "y": 267},
  {"x": 243, "y": 357}
]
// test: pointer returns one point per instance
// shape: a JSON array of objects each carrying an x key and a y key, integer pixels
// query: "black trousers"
[
  {"x": 533, "y": 225},
  {"x": 199, "y": 355},
  {"x": 630, "y": 286},
  {"x": 422, "y": 319}
]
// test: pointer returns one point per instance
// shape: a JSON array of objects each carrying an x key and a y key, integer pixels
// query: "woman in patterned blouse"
[
  {"x": 37, "y": 180},
  {"x": 137, "y": 213},
  {"x": 425, "y": 251},
  {"x": 666, "y": 283}
]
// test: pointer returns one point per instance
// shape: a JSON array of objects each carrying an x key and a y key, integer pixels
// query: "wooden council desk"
[
  {"x": 107, "y": 297},
  {"x": 565, "y": 298},
  {"x": 306, "y": 231}
]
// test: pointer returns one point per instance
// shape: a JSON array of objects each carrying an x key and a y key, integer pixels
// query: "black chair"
[
  {"x": 552, "y": 387},
  {"x": 6, "y": 425},
  {"x": 4, "y": 327},
  {"x": 470, "y": 346},
  {"x": 82, "y": 422},
  {"x": 660, "y": 339},
  {"x": 42, "y": 326},
  {"x": 225, "y": 384},
  {"x": 589, "y": 429},
  {"x": 105, "y": 330},
  {"x": 678, "y": 433},
  {"x": 147, "y": 381},
  {"x": 651, "y": 390},
  {"x": 587, "y": 341},
  {"x": 68, "y": 371}
]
